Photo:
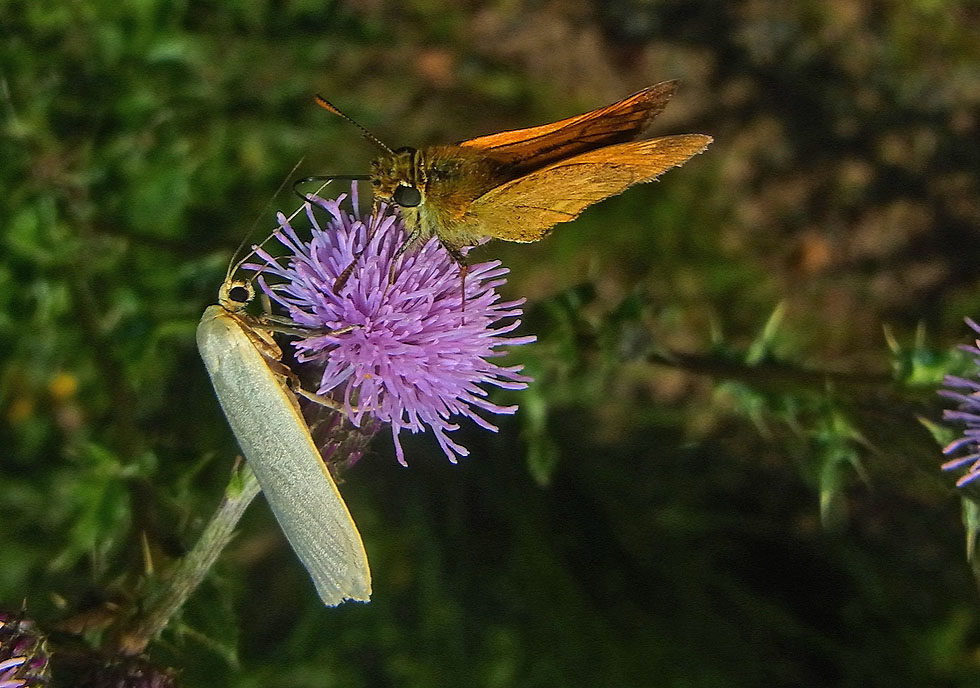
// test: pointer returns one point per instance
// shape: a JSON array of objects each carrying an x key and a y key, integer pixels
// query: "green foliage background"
[{"x": 682, "y": 500}]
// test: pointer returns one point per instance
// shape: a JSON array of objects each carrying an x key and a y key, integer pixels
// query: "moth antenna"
[
  {"x": 330, "y": 107},
  {"x": 234, "y": 266}
]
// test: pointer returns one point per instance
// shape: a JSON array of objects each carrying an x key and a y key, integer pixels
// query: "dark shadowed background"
[{"x": 719, "y": 478}]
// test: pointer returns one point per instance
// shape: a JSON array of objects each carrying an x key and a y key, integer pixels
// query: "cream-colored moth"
[{"x": 253, "y": 388}]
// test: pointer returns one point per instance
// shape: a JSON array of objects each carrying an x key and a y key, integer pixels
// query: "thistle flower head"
[
  {"x": 967, "y": 393},
  {"x": 389, "y": 328}
]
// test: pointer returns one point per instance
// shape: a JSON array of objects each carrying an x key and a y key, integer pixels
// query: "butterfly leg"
[
  {"x": 464, "y": 268},
  {"x": 414, "y": 235}
]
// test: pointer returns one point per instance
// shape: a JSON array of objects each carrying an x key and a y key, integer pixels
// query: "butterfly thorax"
[{"x": 434, "y": 188}]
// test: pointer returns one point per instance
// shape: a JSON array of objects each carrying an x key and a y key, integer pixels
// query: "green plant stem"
[
  {"x": 191, "y": 570},
  {"x": 772, "y": 374}
]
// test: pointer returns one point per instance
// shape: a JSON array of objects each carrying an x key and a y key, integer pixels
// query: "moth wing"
[
  {"x": 536, "y": 147},
  {"x": 265, "y": 418},
  {"x": 526, "y": 208}
]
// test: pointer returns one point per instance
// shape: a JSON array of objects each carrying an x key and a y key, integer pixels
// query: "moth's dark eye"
[
  {"x": 239, "y": 294},
  {"x": 407, "y": 196}
]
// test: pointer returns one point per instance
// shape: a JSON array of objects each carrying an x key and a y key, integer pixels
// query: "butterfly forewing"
[
  {"x": 529, "y": 149},
  {"x": 526, "y": 208}
]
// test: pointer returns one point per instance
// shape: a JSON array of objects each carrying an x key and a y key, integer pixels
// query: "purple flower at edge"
[
  {"x": 23, "y": 654},
  {"x": 969, "y": 415},
  {"x": 412, "y": 355}
]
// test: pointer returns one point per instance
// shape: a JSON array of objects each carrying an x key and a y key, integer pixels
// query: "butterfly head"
[{"x": 399, "y": 177}]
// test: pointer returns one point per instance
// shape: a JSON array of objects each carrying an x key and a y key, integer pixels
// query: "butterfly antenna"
[{"x": 330, "y": 107}]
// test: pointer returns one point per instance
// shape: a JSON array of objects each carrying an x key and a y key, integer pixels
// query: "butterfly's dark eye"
[{"x": 407, "y": 196}]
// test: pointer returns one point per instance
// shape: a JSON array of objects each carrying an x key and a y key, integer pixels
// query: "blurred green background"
[{"x": 681, "y": 501}]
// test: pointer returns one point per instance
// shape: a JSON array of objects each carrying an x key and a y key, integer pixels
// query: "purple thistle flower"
[
  {"x": 969, "y": 415},
  {"x": 415, "y": 357},
  {"x": 23, "y": 655}
]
